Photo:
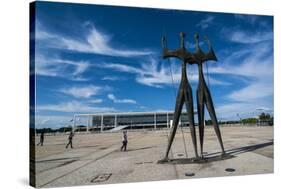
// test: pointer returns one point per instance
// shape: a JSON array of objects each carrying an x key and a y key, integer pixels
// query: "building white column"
[
  {"x": 155, "y": 120},
  {"x": 115, "y": 120},
  {"x": 88, "y": 123},
  {"x": 74, "y": 123},
  {"x": 167, "y": 119},
  {"x": 101, "y": 124},
  {"x": 180, "y": 122}
]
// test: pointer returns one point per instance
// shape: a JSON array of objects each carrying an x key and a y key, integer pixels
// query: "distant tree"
[
  {"x": 265, "y": 119},
  {"x": 208, "y": 122},
  {"x": 249, "y": 120},
  {"x": 65, "y": 129},
  {"x": 263, "y": 116}
]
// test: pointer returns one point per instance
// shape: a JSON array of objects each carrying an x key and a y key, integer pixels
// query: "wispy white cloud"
[
  {"x": 142, "y": 107},
  {"x": 57, "y": 67},
  {"x": 73, "y": 107},
  {"x": 252, "y": 19},
  {"x": 121, "y": 67},
  {"x": 95, "y": 41},
  {"x": 253, "y": 63},
  {"x": 96, "y": 101},
  {"x": 112, "y": 78},
  {"x": 148, "y": 74},
  {"x": 82, "y": 92},
  {"x": 247, "y": 37},
  {"x": 252, "y": 92},
  {"x": 255, "y": 68},
  {"x": 155, "y": 74},
  {"x": 125, "y": 101},
  {"x": 205, "y": 23}
]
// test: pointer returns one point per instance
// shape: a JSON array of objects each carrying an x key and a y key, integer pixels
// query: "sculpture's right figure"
[{"x": 204, "y": 96}]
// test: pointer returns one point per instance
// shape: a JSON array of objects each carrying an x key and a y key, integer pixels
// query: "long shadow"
[
  {"x": 216, "y": 156},
  {"x": 89, "y": 146},
  {"x": 144, "y": 148},
  {"x": 240, "y": 150},
  {"x": 57, "y": 159}
]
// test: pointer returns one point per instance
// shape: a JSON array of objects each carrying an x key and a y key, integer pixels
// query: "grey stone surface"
[{"x": 96, "y": 154}]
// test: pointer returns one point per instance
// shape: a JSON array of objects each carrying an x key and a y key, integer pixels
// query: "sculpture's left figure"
[{"x": 184, "y": 94}]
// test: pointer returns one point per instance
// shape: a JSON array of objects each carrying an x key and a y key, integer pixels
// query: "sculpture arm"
[
  {"x": 168, "y": 53},
  {"x": 211, "y": 53}
]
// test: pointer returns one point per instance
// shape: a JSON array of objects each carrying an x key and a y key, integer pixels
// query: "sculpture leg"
[
  {"x": 177, "y": 113},
  {"x": 212, "y": 113},
  {"x": 190, "y": 113},
  {"x": 200, "y": 110}
]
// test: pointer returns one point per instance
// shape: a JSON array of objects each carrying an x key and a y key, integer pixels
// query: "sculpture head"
[
  {"x": 188, "y": 57},
  {"x": 182, "y": 36},
  {"x": 199, "y": 55}
]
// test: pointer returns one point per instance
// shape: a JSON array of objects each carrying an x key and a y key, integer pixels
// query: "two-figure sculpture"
[{"x": 185, "y": 93}]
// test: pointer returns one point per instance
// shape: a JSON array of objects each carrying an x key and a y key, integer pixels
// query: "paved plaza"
[{"x": 96, "y": 157}]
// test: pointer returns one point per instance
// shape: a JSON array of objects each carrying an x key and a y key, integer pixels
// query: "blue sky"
[{"x": 92, "y": 59}]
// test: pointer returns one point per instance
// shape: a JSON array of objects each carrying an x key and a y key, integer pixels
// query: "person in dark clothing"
[
  {"x": 70, "y": 137},
  {"x": 41, "y": 138},
  {"x": 124, "y": 141}
]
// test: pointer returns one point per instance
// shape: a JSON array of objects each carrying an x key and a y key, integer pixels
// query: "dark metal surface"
[
  {"x": 185, "y": 92},
  {"x": 203, "y": 94},
  {"x": 230, "y": 170},
  {"x": 189, "y": 174}
]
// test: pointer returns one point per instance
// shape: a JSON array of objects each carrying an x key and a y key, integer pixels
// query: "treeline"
[
  {"x": 61, "y": 129},
  {"x": 263, "y": 119},
  {"x": 209, "y": 122}
]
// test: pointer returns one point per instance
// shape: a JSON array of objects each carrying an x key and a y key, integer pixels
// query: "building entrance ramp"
[{"x": 118, "y": 128}]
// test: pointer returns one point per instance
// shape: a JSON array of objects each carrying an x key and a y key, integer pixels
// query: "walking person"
[
  {"x": 124, "y": 141},
  {"x": 70, "y": 137},
  {"x": 41, "y": 138}
]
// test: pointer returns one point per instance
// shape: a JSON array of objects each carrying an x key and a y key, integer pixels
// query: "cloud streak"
[
  {"x": 112, "y": 78},
  {"x": 73, "y": 107},
  {"x": 243, "y": 37},
  {"x": 157, "y": 74},
  {"x": 63, "y": 68},
  {"x": 82, "y": 92},
  {"x": 206, "y": 22},
  {"x": 94, "y": 42},
  {"x": 96, "y": 101},
  {"x": 255, "y": 68},
  {"x": 122, "y": 101},
  {"x": 253, "y": 63}
]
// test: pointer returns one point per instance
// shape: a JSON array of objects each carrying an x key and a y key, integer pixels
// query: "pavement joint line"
[
  {"x": 85, "y": 164},
  {"x": 90, "y": 161},
  {"x": 250, "y": 151},
  {"x": 51, "y": 161}
]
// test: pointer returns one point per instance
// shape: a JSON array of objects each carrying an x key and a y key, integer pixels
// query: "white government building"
[{"x": 126, "y": 120}]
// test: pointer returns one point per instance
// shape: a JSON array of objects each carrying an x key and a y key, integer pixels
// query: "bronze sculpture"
[
  {"x": 203, "y": 94},
  {"x": 185, "y": 93}
]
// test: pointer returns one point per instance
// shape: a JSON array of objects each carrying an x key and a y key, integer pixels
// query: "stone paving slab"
[{"x": 95, "y": 155}]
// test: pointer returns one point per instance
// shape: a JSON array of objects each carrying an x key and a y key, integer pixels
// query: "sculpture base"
[{"x": 195, "y": 160}]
